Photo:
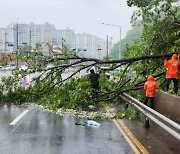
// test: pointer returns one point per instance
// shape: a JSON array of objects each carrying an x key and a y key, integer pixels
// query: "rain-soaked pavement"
[
  {"x": 39, "y": 132},
  {"x": 155, "y": 139}
]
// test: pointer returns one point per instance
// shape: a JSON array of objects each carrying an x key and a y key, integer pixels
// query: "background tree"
[{"x": 133, "y": 36}]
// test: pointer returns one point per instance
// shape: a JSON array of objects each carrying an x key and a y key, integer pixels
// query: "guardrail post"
[
  {"x": 126, "y": 106},
  {"x": 146, "y": 125}
]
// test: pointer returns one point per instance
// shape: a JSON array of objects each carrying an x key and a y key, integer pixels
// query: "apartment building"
[
  {"x": 90, "y": 46},
  {"x": 26, "y": 36},
  {"x": 2, "y": 39}
]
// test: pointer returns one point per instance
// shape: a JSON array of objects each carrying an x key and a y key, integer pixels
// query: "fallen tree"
[{"x": 49, "y": 86}]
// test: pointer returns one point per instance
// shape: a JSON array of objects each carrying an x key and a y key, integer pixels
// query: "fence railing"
[{"x": 164, "y": 122}]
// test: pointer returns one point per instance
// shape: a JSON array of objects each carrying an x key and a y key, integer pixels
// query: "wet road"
[
  {"x": 39, "y": 132},
  {"x": 45, "y": 133},
  {"x": 34, "y": 75}
]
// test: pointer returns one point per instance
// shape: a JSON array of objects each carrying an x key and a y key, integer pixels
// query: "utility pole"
[
  {"x": 5, "y": 46},
  {"x": 30, "y": 40},
  {"x": 119, "y": 37},
  {"x": 52, "y": 44},
  {"x": 107, "y": 48},
  {"x": 17, "y": 48},
  {"x": 110, "y": 45},
  {"x": 5, "y": 42}
]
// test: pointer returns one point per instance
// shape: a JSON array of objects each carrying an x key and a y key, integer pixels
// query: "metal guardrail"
[{"x": 164, "y": 122}]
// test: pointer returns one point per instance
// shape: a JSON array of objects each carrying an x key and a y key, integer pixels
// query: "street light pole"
[
  {"x": 119, "y": 37},
  {"x": 120, "y": 56}
]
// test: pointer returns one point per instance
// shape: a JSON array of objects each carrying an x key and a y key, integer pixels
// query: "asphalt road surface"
[{"x": 39, "y": 132}]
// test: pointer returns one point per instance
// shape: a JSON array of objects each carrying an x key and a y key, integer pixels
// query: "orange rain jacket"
[
  {"x": 150, "y": 86},
  {"x": 172, "y": 67}
]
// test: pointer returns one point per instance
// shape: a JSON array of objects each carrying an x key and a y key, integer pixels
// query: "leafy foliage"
[
  {"x": 161, "y": 34},
  {"x": 145, "y": 3},
  {"x": 132, "y": 37},
  {"x": 50, "y": 88},
  {"x": 131, "y": 114},
  {"x": 138, "y": 3}
]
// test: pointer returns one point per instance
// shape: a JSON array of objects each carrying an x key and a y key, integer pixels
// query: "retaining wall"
[{"x": 168, "y": 105}]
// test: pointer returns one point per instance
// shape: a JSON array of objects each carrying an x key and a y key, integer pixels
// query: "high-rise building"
[
  {"x": 2, "y": 39},
  {"x": 26, "y": 36},
  {"x": 66, "y": 36},
  {"x": 6, "y": 40},
  {"x": 90, "y": 46},
  {"x": 42, "y": 33}
]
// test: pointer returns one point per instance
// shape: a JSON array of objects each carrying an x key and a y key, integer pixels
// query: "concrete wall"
[{"x": 168, "y": 105}]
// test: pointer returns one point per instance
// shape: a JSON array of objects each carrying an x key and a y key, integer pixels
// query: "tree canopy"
[{"x": 160, "y": 38}]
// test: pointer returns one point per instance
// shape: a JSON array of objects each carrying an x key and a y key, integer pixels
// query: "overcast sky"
[{"x": 79, "y": 15}]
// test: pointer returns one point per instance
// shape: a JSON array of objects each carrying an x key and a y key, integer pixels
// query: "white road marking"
[{"x": 18, "y": 118}]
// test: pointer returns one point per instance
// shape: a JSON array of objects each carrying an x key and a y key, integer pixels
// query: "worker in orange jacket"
[
  {"x": 149, "y": 87},
  {"x": 172, "y": 67}
]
